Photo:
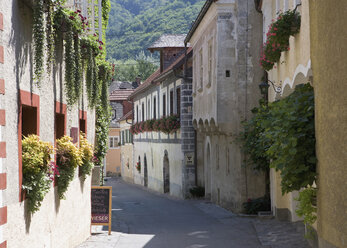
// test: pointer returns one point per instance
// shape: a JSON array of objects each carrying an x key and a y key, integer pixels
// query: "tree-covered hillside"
[{"x": 136, "y": 24}]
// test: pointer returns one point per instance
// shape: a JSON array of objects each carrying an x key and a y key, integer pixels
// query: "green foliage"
[
  {"x": 39, "y": 39},
  {"x": 68, "y": 159},
  {"x": 253, "y": 206},
  {"x": 197, "y": 191},
  {"x": 134, "y": 25},
  {"x": 290, "y": 127},
  {"x": 101, "y": 132},
  {"x": 70, "y": 25},
  {"x": 307, "y": 205},
  {"x": 255, "y": 143},
  {"x": 286, "y": 25},
  {"x": 86, "y": 152},
  {"x": 36, "y": 170},
  {"x": 130, "y": 69},
  {"x": 284, "y": 134}
]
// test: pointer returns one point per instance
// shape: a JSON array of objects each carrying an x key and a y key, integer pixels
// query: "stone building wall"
[{"x": 233, "y": 28}]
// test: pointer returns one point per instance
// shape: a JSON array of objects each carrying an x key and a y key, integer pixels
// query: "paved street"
[{"x": 142, "y": 218}]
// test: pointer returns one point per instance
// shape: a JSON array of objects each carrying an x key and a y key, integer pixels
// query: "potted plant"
[
  {"x": 37, "y": 170},
  {"x": 138, "y": 166},
  {"x": 87, "y": 154},
  {"x": 68, "y": 159}
]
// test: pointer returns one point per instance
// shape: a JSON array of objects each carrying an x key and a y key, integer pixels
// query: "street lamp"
[{"x": 264, "y": 86}]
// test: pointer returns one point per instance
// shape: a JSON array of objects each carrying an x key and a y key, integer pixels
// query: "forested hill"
[{"x": 136, "y": 24}]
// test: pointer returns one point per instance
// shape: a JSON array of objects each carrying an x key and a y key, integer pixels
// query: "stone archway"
[
  {"x": 145, "y": 171},
  {"x": 166, "y": 173}
]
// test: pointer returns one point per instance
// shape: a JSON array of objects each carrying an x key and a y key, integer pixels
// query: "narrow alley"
[{"x": 142, "y": 218}]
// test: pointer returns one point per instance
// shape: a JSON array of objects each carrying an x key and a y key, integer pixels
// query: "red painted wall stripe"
[
  {"x": 2, "y": 86},
  {"x": 3, "y": 215},
  {"x": 3, "y": 245},
  {"x": 2, "y": 117},
  {"x": 3, "y": 181},
  {"x": 3, "y": 149}
]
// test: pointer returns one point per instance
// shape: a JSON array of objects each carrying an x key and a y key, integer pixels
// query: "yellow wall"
[
  {"x": 127, "y": 164},
  {"x": 293, "y": 68},
  {"x": 113, "y": 164},
  {"x": 328, "y": 52}
]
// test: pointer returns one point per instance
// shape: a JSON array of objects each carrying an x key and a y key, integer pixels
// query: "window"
[
  {"x": 28, "y": 123},
  {"x": 137, "y": 113},
  {"x": 59, "y": 125},
  {"x": 29, "y": 120},
  {"x": 154, "y": 108},
  {"x": 201, "y": 69},
  {"x": 178, "y": 101},
  {"x": 171, "y": 102},
  {"x": 164, "y": 105},
  {"x": 114, "y": 114},
  {"x": 217, "y": 157},
  {"x": 149, "y": 110},
  {"x": 195, "y": 66},
  {"x": 83, "y": 121},
  {"x": 122, "y": 137},
  {"x": 278, "y": 7},
  {"x": 285, "y": 5},
  {"x": 143, "y": 112},
  {"x": 210, "y": 62},
  {"x": 113, "y": 142}
]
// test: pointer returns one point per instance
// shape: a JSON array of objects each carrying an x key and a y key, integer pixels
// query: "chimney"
[{"x": 138, "y": 80}]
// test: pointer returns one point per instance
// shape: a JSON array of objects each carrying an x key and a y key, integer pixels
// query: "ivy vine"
[
  {"x": 39, "y": 39},
  {"x": 281, "y": 135}
]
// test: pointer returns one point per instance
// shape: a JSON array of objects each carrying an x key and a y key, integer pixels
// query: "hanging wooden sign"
[{"x": 101, "y": 198}]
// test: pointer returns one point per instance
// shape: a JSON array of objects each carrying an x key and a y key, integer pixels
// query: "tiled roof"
[
  {"x": 169, "y": 40},
  {"x": 120, "y": 94},
  {"x": 127, "y": 116},
  {"x": 146, "y": 83}
]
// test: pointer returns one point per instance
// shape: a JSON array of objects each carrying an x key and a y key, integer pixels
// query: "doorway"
[
  {"x": 145, "y": 171},
  {"x": 166, "y": 173}
]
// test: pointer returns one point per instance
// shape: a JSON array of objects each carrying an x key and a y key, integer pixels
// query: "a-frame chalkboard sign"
[{"x": 101, "y": 198}]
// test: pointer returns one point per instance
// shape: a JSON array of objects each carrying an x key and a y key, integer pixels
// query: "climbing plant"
[
  {"x": 281, "y": 135},
  {"x": 39, "y": 39},
  {"x": 53, "y": 22}
]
